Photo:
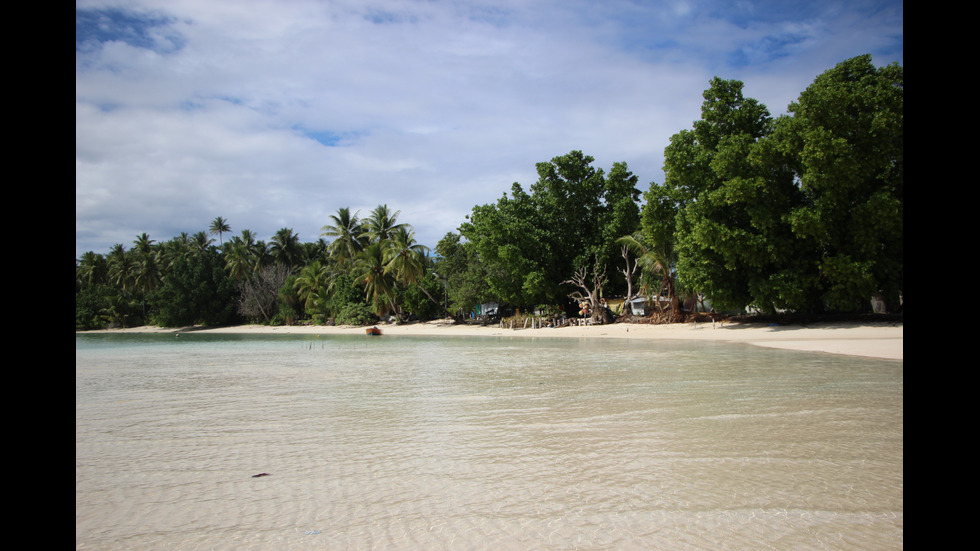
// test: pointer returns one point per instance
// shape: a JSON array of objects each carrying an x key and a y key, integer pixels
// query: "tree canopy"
[
  {"x": 529, "y": 243},
  {"x": 803, "y": 212},
  {"x": 846, "y": 138}
]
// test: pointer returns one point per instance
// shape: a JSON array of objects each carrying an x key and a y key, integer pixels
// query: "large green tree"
[
  {"x": 511, "y": 247},
  {"x": 621, "y": 215},
  {"x": 459, "y": 266},
  {"x": 530, "y": 243},
  {"x": 845, "y": 137},
  {"x": 659, "y": 258},
  {"x": 803, "y": 212},
  {"x": 729, "y": 235}
]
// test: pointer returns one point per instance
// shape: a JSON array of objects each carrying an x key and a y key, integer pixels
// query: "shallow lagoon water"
[{"x": 481, "y": 443}]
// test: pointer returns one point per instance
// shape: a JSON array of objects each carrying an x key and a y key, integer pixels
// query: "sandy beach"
[{"x": 869, "y": 340}]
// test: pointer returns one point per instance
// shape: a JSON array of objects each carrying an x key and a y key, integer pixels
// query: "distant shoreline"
[{"x": 873, "y": 340}]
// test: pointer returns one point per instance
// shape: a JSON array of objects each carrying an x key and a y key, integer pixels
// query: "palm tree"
[
  {"x": 143, "y": 243},
  {"x": 403, "y": 256},
  {"x": 219, "y": 226},
  {"x": 263, "y": 256},
  {"x": 347, "y": 233},
  {"x": 200, "y": 242},
  {"x": 316, "y": 250},
  {"x": 248, "y": 237},
  {"x": 381, "y": 224},
  {"x": 146, "y": 275},
  {"x": 285, "y": 247},
  {"x": 656, "y": 258},
  {"x": 120, "y": 267},
  {"x": 369, "y": 269},
  {"x": 311, "y": 285},
  {"x": 146, "y": 270},
  {"x": 406, "y": 260},
  {"x": 245, "y": 255},
  {"x": 175, "y": 248},
  {"x": 91, "y": 269},
  {"x": 238, "y": 258},
  {"x": 117, "y": 311}
]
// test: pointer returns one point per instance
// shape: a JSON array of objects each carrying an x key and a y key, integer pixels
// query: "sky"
[{"x": 276, "y": 113}]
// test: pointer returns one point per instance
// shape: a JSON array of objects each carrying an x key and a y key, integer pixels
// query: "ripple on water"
[{"x": 483, "y": 444}]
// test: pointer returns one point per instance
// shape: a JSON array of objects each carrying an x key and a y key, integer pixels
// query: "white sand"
[{"x": 869, "y": 340}]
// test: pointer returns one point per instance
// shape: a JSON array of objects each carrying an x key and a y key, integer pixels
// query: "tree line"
[{"x": 800, "y": 212}]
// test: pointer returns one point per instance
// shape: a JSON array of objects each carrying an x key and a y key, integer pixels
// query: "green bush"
[
  {"x": 90, "y": 304},
  {"x": 354, "y": 314},
  {"x": 285, "y": 316},
  {"x": 196, "y": 290}
]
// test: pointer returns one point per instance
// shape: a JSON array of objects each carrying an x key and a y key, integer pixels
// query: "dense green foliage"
[
  {"x": 197, "y": 290},
  {"x": 801, "y": 212},
  {"x": 530, "y": 243},
  {"x": 462, "y": 273},
  {"x": 379, "y": 271},
  {"x": 846, "y": 139},
  {"x": 725, "y": 232}
]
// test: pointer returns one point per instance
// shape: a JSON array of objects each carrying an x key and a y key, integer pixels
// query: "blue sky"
[{"x": 275, "y": 114}]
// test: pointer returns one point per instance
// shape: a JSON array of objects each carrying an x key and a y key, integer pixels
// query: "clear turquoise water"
[{"x": 481, "y": 443}]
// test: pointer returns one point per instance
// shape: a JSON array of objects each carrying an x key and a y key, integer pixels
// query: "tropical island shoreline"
[{"x": 872, "y": 340}]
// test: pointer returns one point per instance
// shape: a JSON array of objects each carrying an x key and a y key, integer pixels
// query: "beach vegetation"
[
  {"x": 285, "y": 248},
  {"x": 803, "y": 212},
  {"x": 93, "y": 308},
  {"x": 797, "y": 213},
  {"x": 285, "y": 315},
  {"x": 258, "y": 295},
  {"x": 219, "y": 226},
  {"x": 531, "y": 243},
  {"x": 355, "y": 314},
  {"x": 196, "y": 291},
  {"x": 463, "y": 275},
  {"x": 347, "y": 233},
  {"x": 845, "y": 139}
]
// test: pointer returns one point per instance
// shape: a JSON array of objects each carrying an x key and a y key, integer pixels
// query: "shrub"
[{"x": 354, "y": 314}]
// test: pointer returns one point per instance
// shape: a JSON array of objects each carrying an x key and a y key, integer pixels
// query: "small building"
[
  {"x": 644, "y": 306},
  {"x": 486, "y": 310}
]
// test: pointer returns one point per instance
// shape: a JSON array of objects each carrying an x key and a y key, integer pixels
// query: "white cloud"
[{"x": 215, "y": 108}]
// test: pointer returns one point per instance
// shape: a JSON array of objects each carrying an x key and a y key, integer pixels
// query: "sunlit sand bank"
[{"x": 869, "y": 340}]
